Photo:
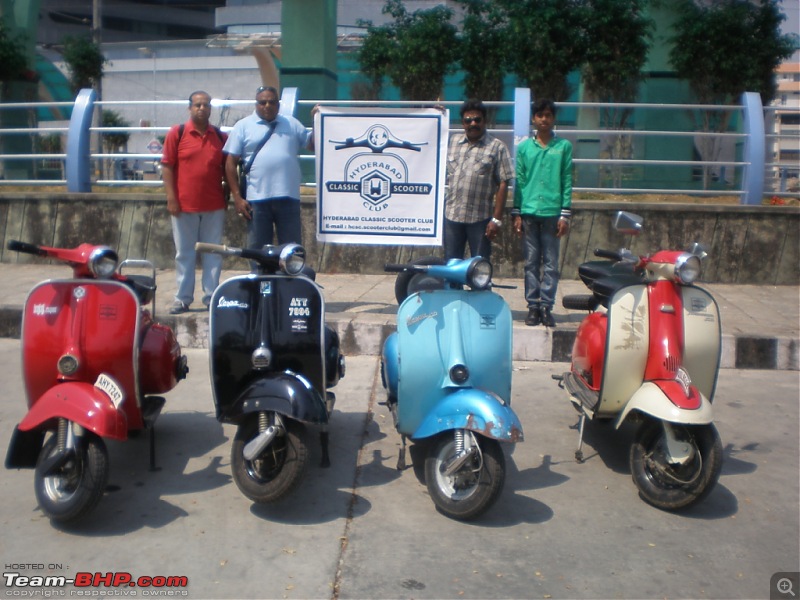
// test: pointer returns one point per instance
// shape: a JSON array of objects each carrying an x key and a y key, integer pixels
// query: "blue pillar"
[
  {"x": 754, "y": 149},
  {"x": 522, "y": 116},
  {"x": 78, "y": 157}
]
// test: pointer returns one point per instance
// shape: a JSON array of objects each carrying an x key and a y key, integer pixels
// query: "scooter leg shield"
[
  {"x": 650, "y": 399},
  {"x": 80, "y": 403},
  {"x": 475, "y": 410}
]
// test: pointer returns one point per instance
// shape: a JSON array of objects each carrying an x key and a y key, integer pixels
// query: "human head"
[
  {"x": 544, "y": 117},
  {"x": 199, "y": 107},
  {"x": 473, "y": 119},
  {"x": 267, "y": 102}
]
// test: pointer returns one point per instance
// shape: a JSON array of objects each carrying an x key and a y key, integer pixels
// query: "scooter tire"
[
  {"x": 483, "y": 487},
  {"x": 76, "y": 490},
  {"x": 277, "y": 471},
  {"x": 668, "y": 487}
]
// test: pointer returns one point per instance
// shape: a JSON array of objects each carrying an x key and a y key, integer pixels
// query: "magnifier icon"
[{"x": 784, "y": 586}]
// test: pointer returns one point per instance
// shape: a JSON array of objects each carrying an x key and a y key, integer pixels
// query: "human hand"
[
  {"x": 243, "y": 208},
  {"x": 518, "y": 225},
  {"x": 173, "y": 207},
  {"x": 563, "y": 228},
  {"x": 492, "y": 230}
]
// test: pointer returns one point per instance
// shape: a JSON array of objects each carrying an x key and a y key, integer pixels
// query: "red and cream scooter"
[{"x": 649, "y": 352}]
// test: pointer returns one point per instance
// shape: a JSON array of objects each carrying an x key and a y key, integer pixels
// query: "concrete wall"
[{"x": 748, "y": 244}]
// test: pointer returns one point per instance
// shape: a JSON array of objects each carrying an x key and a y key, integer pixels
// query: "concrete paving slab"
[{"x": 362, "y": 529}]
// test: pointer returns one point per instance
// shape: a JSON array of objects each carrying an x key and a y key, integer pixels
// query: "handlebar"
[
  {"x": 403, "y": 268},
  {"x": 25, "y": 247},
  {"x": 218, "y": 249}
]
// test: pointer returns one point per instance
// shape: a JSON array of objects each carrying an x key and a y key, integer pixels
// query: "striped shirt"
[{"x": 474, "y": 172}]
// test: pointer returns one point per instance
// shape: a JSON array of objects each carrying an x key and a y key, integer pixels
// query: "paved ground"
[
  {"x": 760, "y": 324},
  {"x": 361, "y": 529}
]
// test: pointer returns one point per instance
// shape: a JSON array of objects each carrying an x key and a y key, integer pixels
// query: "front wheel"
[
  {"x": 75, "y": 488},
  {"x": 673, "y": 486},
  {"x": 277, "y": 471},
  {"x": 471, "y": 490}
]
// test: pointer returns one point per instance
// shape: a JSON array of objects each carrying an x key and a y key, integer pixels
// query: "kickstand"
[
  {"x": 153, "y": 448},
  {"x": 401, "y": 457},
  {"x": 323, "y": 440},
  {"x": 579, "y": 451}
]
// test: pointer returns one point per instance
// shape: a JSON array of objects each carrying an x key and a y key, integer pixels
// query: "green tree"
[
  {"x": 13, "y": 61},
  {"x": 84, "y": 62},
  {"x": 729, "y": 47},
  {"x": 415, "y": 51},
  {"x": 618, "y": 37},
  {"x": 546, "y": 42},
  {"x": 484, "y": 54},
  {"x": 724, "y": 49}
]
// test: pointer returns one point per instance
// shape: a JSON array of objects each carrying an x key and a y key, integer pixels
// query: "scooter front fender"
[
  {"x": 81, "y": 403},
  {"x": 650, "y": 399},
  {"x": 286, "y": 394},
  {"x": 473, "y": 409}
]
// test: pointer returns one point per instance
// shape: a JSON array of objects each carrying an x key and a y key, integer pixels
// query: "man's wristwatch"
[{"x": 497, "y": 222}]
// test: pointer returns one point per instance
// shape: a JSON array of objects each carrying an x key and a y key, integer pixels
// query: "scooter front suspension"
[{"x": 267, "y": 433}]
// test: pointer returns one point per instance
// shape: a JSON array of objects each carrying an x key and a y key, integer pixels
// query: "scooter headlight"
[
  {"x": 459, "y": 374},
  {"x": 687, "y": 268},
  {"x": 292, "y": 259},
  {"x": 103, "y": 262},
  {"x": 479, "y": 274},
  {"x": 67, "y": 364}
]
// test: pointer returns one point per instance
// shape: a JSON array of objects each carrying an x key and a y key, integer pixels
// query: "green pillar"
[
  {"x": 308, "y": 54},
  {"x": 19, "y": 18}
]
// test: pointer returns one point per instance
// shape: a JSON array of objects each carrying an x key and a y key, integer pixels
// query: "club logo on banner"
[{"x": 380, "y": 175}]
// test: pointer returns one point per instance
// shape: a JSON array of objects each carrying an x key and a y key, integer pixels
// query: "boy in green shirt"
[{"x": 542, "y": 209}]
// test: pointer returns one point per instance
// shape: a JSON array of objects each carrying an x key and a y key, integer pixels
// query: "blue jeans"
[
  {"x": 457, "y": 235},
  {"x": 282, "y": 214},
  {"x": 188, "y": 229},
  {"x": 540, "y": 248}
]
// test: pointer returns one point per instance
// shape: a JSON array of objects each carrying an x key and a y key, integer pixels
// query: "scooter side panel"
[
  {"x": 702, "y": 339},
  {"x": 290, "y": 319},
  {"x": 651, "y": 400},
  {"x": 98, "y": 321},
  {"x": 81, "y": 403},
  {"x": 438, "y": 329},
  {"x": 475, "y": 410},
  {"x": 626, "y": 348}
]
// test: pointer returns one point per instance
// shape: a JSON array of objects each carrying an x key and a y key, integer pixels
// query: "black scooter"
[{"x": 273, "y": 359}]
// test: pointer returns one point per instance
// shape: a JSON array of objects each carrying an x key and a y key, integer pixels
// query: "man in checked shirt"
[{"x": 478, "y": 172}]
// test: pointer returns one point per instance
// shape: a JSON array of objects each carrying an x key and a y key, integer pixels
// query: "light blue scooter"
[{"x": 447, "y": 371}]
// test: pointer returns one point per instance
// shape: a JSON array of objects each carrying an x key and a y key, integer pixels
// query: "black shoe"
[
  {"x": 547, "y": 317},
  {"x": 534, "y": 317}
]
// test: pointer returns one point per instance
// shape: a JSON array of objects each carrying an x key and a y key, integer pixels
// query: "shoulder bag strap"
[{"x": 249, "y": 164}]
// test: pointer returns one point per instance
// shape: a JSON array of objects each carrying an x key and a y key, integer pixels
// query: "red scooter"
[
  {"x": 93, "y": 362},
  {"x": 649, "y": 352}
]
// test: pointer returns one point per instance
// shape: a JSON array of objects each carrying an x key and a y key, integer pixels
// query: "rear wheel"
[
  {"x": 275, "y": 472},
  {"x": 74, "y": 489},
  {"x": 472, "y": 489},
  {"x": 668, "y": 485}
]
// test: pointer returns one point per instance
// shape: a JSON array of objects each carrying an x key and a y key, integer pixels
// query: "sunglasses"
[
  {"x": 476, "y": 120},
  {"x": 265, "y": 102}
]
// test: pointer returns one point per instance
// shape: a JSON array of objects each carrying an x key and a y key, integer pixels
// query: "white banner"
[{"x": 380, "y": 175}]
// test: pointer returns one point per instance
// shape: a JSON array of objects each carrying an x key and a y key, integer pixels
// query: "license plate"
[{"x": 111, "y": 388}]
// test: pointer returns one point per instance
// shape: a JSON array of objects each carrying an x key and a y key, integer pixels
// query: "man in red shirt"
[{"x": 193, "y": 171}]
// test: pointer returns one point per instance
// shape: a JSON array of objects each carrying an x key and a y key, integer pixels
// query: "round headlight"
[
  {"x": 103, "y": 262},
  {"x": 479, "y": 274},
  {"x": 459, "y": 374},
  {"x": 293, "y": 259},
  {"x": 687, "y": 268},
  {"x": 67, "y": 364}
]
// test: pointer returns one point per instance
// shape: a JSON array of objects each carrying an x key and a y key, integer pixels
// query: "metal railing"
[{"x": 606, "y": 161}]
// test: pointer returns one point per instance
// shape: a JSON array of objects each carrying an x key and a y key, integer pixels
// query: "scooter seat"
[
  {"x": 605, "y": 287},
  {"x": 144, "y": 287},
  {"x": 591, "y": 271}
]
